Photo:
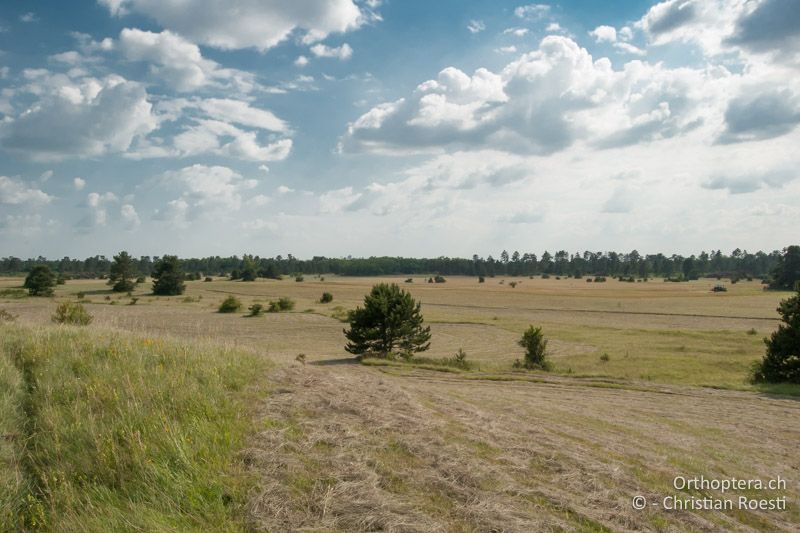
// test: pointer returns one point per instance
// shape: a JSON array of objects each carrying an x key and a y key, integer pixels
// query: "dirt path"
[{"x": 352, "y": 448}]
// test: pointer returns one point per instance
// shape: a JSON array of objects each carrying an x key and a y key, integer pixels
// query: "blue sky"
[{"x": 369, "y": 127}]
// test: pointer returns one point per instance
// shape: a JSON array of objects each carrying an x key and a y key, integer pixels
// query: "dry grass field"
[{"x": 339, "y": 446}]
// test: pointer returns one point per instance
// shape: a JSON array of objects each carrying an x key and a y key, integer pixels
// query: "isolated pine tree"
[
  {"x": 40, "y": 281},
  {"x": 168, "y": 276},
  {"x": 786, "y": 274},
  {"x": 121, "y": 275},
  {"x": 781, "y": 364},
  {"x": 390, "y": 322}
]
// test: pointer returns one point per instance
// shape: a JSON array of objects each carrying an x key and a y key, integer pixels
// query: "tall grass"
[{"x": 117, "y": 433}]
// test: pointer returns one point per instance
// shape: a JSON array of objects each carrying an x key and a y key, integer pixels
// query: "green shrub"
[
  {"x": 513, "y": 284},
  {"x": 230, "y": 305},
  {"x": 535, "y": 346},
  {"x": 299, "y": 278},
  {"x": 72, "y": 313},
  {"x": 208, "y": 279},
  {"x": 605, "y": 357},
  {"x": 282, "y": 304},
  {"x": 326, "y": 298},
  {"x": 256, "y": 309},
  {"x": 40, "y": 281},
  {"x": 439, "y": 279},
  {"x": 409, "y": 280},
  {"x": 168, "y": 276},
  {"x": 140, "y": 280},
  {"x": 81, "y": 295},
  {"x": 133, "y": 301},
  {"x": 781, "y": 363},
  {"x": 390, "y": 321},
  {"x": 719, "y": 288},
  {"x": 481, "y": 279},
  {"x": 545, "y": 276}
]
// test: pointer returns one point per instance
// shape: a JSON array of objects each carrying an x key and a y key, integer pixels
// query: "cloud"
[
  {"x": 29, "y": 17},
  {"x": 747, "y": 183},
  {"x": 46, "y": 175},
  {"x": 283, "y": 189},
  {"x": 179, "y": 62},
  {"x": 69, "y": 120},
  {"x": 532, "y": 11},
  {"x": 622, "y": 200},
  {"x": 507, "y": 49},
  {"x": 340, "y": 52},
  {"x": 668, "y": 16},
  {"x": 79, "y": 184},
  {"x": 476, "y": 26},
  {"x": 15, "y": 192},
  {"x": 234, "y": 24},
  {"x": 772, "y": 24},
  {"x": 242, "y": 113},
  {"x": 525, "y": 215},
  {"x": 604, "y": 34},
  {"x": 301, "y": 61},
  {"x": 206, "y": 190},
  {"x": 97, "y": 206},
  {"x": 759, "y": 115},
  {"x": 540, "y": 103},
  {"x": 130, "y": 217},
  {"x": 517, "y": 32}
]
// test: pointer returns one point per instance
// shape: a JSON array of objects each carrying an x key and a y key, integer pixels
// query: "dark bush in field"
[
  {"x": 390, "y": 321},
  {"x": 326, "y": 298},
  {"x": 230, "y": 305},
  {"x": 282, "y": 304},
  {"x": 719, "y": 288},
  {"x": 535, "y": 346},
  {"x": 256, "y": 309},
  {"x": 40, "y": 281},
  {"x": 439, "y": 279},
  {"x": 72, "y": 313},
  {"x": 168, "y": 276},
  {"x": 781, "y": 363}
]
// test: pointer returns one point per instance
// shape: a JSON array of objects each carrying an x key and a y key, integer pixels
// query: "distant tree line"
[{"x": 738, "y": 264}]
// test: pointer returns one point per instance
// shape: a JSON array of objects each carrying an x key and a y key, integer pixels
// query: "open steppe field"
[{"x": 337, "y": 446}]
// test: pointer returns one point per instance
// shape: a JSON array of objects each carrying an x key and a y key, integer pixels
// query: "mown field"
[{"x": 650, "y": 382}]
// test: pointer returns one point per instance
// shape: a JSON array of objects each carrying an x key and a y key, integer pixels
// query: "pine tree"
[
  {"x": 786, "y": 274},
  {"x": 121, "y": 275},
  {"x": 40, "y": 281},
  {"x": 389, "y": 322},
  {"x": 782, "y": 360},
  {"x": 168, "y": 276}
]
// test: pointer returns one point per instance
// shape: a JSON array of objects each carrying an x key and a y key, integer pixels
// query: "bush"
[
  {"x": 545, "y": 276},
  {"x": 5, "y": 316},
  {"x": 409, "y": 280},
  {"x": 535, "y": 346},
  {"x": 72, "y": 313},
  {"x": 230, "y": 305},
  {"x": 390, "y": 321},
  {"x": 719, "y": 288},
  {"x": 326, "y": 298},
  {"x": 481, "y": 279},
  {"x": 81, "y": 295},
  {"x": 40, "y": 281},
  {"x": 208, "y": 279},
  {"x": 256, "y": 309},
  {"x": 599, "y": 279},
  {"x": 283, "y": 304},
  {"x": 605, "y": 357},
  {"x": 141, "y": 279},
  {"x": 133, "y": 301},
  {"x": 439, "y": 279},
  {"x": 168, "y": 277},
  {"x": 299, "y": 278},
  {"x": 781, "y": 363},
  {"x": 513, "y": 284},
  {"x": 61, "y": 280}
]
